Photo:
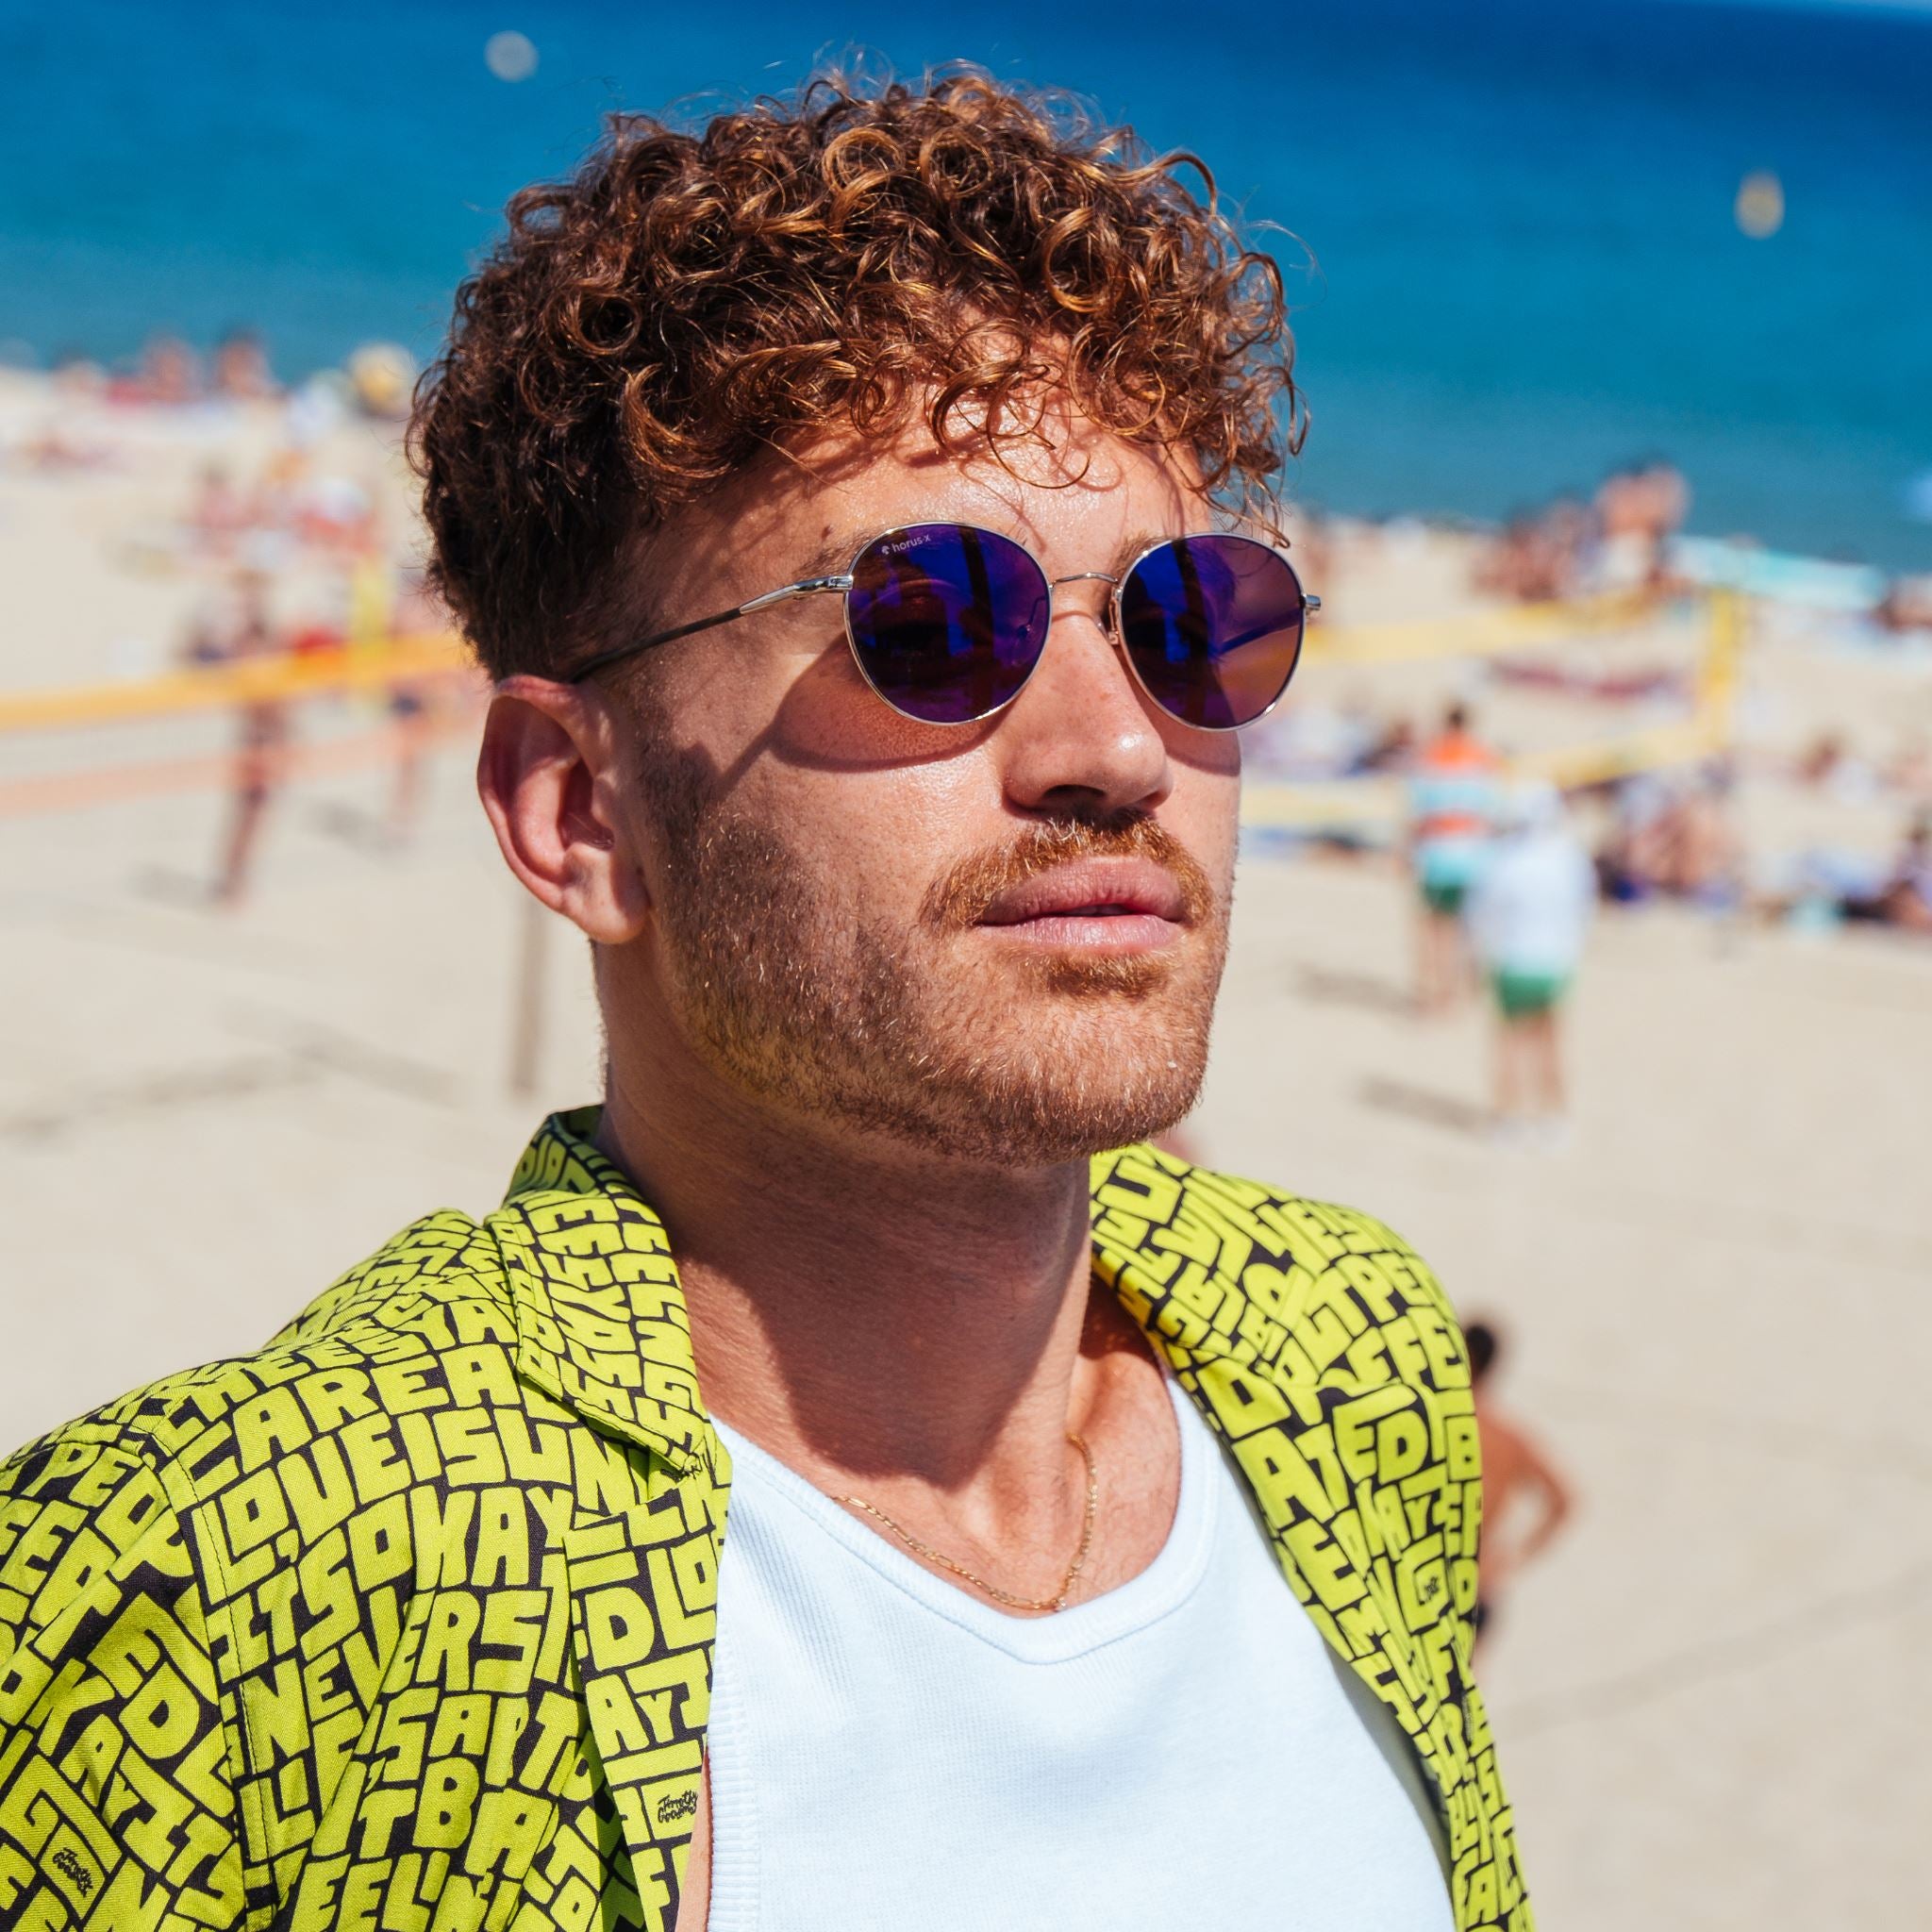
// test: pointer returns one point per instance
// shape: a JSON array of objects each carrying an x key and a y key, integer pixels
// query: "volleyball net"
[{"x": 432, "y": 663}]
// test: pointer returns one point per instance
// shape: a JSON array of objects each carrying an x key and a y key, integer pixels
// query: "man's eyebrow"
[
  {"x": 1134, "y": 546},
  {"x": 835, "y": 554}
]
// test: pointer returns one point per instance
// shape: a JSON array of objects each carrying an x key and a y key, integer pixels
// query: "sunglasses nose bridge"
[{"x": 1105, "y": 617}]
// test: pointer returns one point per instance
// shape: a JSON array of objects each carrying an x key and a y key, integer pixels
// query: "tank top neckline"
[{"x": 1175, "y": 1573}]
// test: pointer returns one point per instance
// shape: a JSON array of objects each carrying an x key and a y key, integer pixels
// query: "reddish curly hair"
[{"x": 687, "y": 302}]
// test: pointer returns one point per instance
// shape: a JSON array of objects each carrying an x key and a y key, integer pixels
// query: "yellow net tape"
[
  {"x": 223, "y": 687},
  {"x": 321, "y": 673},
  {"x": 1357, "y": 801}
]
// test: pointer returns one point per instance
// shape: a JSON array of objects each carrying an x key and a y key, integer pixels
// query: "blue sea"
[{"x": 1509, "y": 228}]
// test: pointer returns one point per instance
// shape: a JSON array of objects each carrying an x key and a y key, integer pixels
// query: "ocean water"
[{"x": 1509, "y": 228}]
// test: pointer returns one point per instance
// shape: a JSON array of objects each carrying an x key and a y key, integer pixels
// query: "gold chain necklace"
[{"x": 1058, "y": 1600}]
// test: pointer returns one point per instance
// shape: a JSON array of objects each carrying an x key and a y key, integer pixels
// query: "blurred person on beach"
[
  {"x": 220, "y": 512},
  {"x": 863, "y": 509},
  {"x": 240, "y": 371},
  {"x": 387, "y": 612},
  {"x": 1517, "y": 1478},
  {"x": 1906, "y": 606},
  {"x": 1538, "y": 555},
  {"x": 1639, "y": 510},
  {"x": 1674, "y": 838},
  {"x": 1633, "y": 855},
  {"x": 1452, "y": 799},
  {"x": 1529, "y": 913},
  {"x": 1904, "y": 898},
  {"x": 169, "y": 376},
  {"x": 1507, "y": 565},
  {"x": 1706, "y": 860},
  {"x": 261, "y": 749}
]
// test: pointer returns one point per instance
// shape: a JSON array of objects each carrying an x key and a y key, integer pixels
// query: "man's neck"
[{"x": 861, "y": 1307}]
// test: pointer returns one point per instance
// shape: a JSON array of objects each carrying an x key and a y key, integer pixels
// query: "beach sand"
[{"x": 1707, "y": 1695}]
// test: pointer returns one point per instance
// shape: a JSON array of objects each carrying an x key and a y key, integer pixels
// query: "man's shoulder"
[{"x": 364, "y": 1346}]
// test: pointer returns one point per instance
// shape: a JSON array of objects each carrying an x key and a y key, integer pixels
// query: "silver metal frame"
[{"x": 843, "y": 583}]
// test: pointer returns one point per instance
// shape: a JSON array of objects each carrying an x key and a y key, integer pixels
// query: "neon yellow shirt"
[{"x": 406, "y": 1622}]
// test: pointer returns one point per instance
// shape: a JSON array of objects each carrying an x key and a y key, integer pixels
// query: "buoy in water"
[
  {"x": 1760, "y": 205},
  {"x": 510, "y": 55}
]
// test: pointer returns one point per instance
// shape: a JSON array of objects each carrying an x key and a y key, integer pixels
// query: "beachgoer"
[
  {"x": 170, "y": 374},
  {"x": 1505, "y": 564},
  {"x": 220, "y": 512},
  {"x": 1639, "y": 510},
  {"x": 1905, "y": 897},
  {"x": 1666, "y": 501},
  {"x": 1538, "y": 556},
  {"x": 1570, "y": 540},
  {"x": 1706, "y": 862},
  {"x": 1452, "y": 803},
  {"x": 1676, "y": 837},
  {"x": 873, "y": 719},
  {"x": 240, "y": 371},
  {"x": 261, "y": 749},
  {"x": 1907, "y": 604},
  {"x": 1518, "y": 1477},
  {"x": 1527, "y": 916}
]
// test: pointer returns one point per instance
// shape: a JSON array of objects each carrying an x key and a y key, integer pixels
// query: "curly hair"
[{"x": 688, "y": 302}]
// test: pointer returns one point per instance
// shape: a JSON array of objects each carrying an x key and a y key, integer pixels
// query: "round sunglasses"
[{"x": 946, "y": 623}]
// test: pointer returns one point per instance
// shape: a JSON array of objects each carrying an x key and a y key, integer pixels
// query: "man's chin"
[
  {"x": 1081, "y": 1086},
  {"x": 1089, "y": 1053},
  {"x": 1049, "y": 1127}
]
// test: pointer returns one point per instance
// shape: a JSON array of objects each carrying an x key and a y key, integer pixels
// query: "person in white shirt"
[{"x": 1527, "y": 916}]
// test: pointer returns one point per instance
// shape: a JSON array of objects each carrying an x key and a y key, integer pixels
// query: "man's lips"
[{"x": 1093, "y": 904}]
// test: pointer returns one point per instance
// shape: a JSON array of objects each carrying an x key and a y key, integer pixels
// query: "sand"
[{"x": 1708, "y": 1694}]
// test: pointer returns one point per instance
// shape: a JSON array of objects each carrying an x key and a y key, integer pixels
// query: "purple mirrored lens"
[
  {"x": 948, "y": 620},
  {"x": 1213, "y": 625}
]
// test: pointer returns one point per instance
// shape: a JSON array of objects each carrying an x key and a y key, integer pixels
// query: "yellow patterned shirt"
[{"x": 406, "y": 1622}]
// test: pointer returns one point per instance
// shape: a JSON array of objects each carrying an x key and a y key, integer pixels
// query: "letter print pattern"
[
  {"x": 372, "y": 1629},
  {"x": 406, "y": 1621},
  {"x": 1323, "y": 1353}
]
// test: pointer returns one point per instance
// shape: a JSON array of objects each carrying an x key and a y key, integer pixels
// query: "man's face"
[{"x": 998, "y": 940}]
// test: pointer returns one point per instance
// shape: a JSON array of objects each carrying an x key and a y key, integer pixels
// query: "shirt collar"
[
  {"x": 601, "y": 1321},
  {"x": 601, "y": 1318}
]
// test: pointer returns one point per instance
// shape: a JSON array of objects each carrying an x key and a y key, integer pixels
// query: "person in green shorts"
[
  {"x": 1527, "y": 913},
  {"x": 1523, "y": 994},
  {"x": 1452, "y": 806},
  {"x": 1444, "y": 896}
]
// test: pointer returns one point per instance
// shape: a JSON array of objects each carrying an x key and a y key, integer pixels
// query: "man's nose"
[{"x": 1082, "y": 736}]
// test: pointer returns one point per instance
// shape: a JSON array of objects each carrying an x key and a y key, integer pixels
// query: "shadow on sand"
[
  {"x": 1449, "y": 1111},
  {"x": 1327, "y": 987}
]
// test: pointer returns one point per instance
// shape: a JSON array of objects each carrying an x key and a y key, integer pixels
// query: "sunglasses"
[{"x": 946, "y": 623}]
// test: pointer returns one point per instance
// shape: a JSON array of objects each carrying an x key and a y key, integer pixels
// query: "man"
[
  {"x": 1527, "y": 916},
  {"x": 1527, "y": 1499},
  {"x": 1452, "y": 804},
  {"x": 425, "y": 1615}
]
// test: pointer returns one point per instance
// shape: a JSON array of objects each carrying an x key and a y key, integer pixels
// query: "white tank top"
[{"x": 889, "y": 1753}]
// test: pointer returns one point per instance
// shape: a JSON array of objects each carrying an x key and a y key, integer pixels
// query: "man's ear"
[{"x": 548, "y": 775}]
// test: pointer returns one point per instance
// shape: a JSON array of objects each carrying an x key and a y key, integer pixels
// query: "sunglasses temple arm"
[{"x": 808, "y": 587}]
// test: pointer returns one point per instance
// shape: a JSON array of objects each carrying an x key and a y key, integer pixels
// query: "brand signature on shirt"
[
  {"x": 70, "y": 1867},
  {"x": 684, "y": 1805}
]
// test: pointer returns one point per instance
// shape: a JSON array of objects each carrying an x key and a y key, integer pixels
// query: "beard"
[{"x": 926, "y": 1034}]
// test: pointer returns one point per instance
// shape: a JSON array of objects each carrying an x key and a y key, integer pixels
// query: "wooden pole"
[{"x": 527, "y": 1016}]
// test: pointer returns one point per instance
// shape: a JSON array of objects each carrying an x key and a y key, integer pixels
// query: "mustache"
[{"x": 961, "y": 895}]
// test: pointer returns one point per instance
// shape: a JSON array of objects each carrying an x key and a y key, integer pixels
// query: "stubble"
[{"x": 921, "y": 1032}]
